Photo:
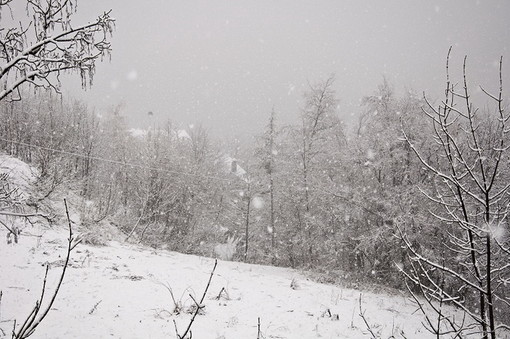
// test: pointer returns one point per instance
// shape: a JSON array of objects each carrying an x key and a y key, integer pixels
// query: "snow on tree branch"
[{"x": 40, "y": 51}]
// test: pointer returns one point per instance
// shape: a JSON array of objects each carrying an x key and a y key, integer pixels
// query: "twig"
[
  {"x": 24, "y": 215},
  {"x": 198, "y": 305},
  {"x": 259, "y": 333},
  {"x": 362, "y": 315},
  {"x": 352, "y": 319},
  {"x": 35, "y": 317},
  {"x": 7, "y": 227},
  {"x": 223, "y": 291},
  {"x": 209, "y": 282},
  {"x": 176, "y": 330},
  {"x": 95, "y": 307}
]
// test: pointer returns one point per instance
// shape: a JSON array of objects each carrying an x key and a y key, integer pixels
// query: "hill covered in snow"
[{"x": 124, "y": 290}]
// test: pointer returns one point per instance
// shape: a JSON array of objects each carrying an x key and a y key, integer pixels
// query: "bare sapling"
[
  {"x": 40, "y": 311},
  {"x": 199, "y": 307},
  {"x": 468, "y": 266},
  {"x": 365, "y": 321}
]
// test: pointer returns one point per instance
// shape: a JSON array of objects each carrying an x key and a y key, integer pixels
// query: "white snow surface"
[
  {"x": 117, "y": 292},
  {"x": 19, "y": 173}
]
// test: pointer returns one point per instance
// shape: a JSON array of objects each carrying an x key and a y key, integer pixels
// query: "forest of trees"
[{"x": 416, "y": 196}]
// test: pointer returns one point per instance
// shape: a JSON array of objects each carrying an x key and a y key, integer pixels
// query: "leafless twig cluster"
[
  {"x": 40, "y": 311},
  {"x": 470, "y": 268},
  {"x": 199, "y": 306}
]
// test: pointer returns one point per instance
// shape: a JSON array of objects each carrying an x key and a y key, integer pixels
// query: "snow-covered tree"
[
  {"x": 38, "y": 43},
  {"x": 382, "y": 179},
  {"x": 469, "y": 265},
  {"x": 267, "y": 155}
]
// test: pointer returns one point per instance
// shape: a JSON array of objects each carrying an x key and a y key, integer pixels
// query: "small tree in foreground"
[
  {"x": 470, "y": 266},
  {"x": 42, "y": 307}
]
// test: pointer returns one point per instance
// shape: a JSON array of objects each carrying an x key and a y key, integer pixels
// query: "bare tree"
[
  {"x": 317, "y": 118},
  {"x": 470, "y": 266},
  {"x": 41, "y": 310},
  {"x": 40, "y": 49},
  {"x": 267, "y": 153}
]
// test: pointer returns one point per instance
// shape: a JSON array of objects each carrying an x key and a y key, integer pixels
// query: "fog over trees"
[{"x": 413, "y": 194}]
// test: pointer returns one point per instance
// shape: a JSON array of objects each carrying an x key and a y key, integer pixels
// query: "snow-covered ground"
[
  {"x": 122, "y": 291},
  {"x": 20, "y": 174},
  {"x": 118, "y": 291}
]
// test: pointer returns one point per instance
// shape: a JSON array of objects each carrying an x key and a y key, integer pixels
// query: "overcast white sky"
[{"x": 226, "y": 63}]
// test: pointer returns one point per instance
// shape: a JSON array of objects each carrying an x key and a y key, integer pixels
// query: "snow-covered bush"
[{"x": 227, "y": 250}]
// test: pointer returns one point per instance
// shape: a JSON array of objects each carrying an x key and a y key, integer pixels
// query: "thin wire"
[{"x": 116, "y": 162}]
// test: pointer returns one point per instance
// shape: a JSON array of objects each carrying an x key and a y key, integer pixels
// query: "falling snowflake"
[
  {"x": 258, "y": 202},
  {"x": 499, "y": 232},
  {"x": 370, "y": 154},
  {"x": 132, "y": 75}
]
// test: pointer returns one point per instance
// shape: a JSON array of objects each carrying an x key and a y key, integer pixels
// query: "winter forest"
[{"x": 410, "y": 198}]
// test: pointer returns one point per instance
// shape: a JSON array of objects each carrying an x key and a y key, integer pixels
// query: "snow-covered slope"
[
  {"x": 123, "y": 291},
  {"x": 19, "y": 173},
  {"x": 118, "y": 292}
]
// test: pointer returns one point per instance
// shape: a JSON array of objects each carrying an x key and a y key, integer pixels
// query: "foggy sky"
[{"x": 227, "y": 63}]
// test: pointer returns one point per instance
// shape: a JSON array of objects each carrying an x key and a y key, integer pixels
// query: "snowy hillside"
[
  {"x": 119, "y": 291},
  {"x": 125, "y": 291}
]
